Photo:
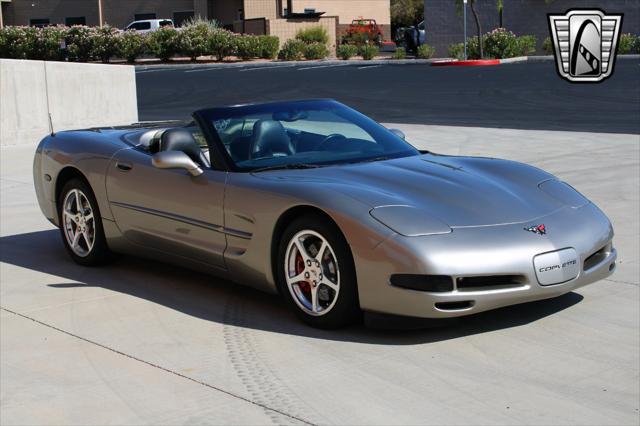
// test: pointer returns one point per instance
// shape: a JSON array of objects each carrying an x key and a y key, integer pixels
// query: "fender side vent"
[
  {"x": 490, "y": 282},
  {"x": 429, "y": 283}
]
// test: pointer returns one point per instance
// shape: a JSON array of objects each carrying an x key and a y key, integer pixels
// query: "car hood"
[{"x": 460, "y": 191}]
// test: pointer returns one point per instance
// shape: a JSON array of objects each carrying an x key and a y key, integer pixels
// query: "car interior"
[{"x": 248, "y": 140}]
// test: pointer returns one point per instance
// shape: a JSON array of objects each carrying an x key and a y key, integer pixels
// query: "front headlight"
[
  {"x": 563, "y": 192},
  {"x": 409, "y": 221}
]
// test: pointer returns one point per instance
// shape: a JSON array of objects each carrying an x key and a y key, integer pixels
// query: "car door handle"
[{"x": 125, "y": 167}]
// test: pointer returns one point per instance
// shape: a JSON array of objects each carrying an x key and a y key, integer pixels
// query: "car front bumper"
[{"x": 484, "y": 252}]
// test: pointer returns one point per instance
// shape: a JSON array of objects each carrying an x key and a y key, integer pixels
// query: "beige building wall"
[
  {"x": 286, "y": 29},
  {"x": 260, "y": 9},
  {"x": 348, "y": 10}
]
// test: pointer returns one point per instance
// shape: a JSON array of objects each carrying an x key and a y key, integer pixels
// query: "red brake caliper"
[{"x": 304, "y": 286}]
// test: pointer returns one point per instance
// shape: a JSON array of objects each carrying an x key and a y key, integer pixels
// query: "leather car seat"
[{"x": 270, "y": 139}]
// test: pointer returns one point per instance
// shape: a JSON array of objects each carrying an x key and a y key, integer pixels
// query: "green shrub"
[
  {"x": 346, "y": 51},
  {"x": 368, "y": 52},
  {"x": 194, "y": 37},
  {"x": 313, "y": 35},
  {"x": 31, "y": 36},
  {"x": 131, "y": 45},
  {"x": 50, "y": 42},
  {"x": 357, "y": 39},
  {"x": 32, "y": 43},
  {"x": 547, "y": 46},
  {"x": 400, "y": 53},
  {"x": 164, "y": 42},
  {"x": 473, "y": 52},
  {"x": 292, "y": 50},
  {"x": 221, "y": 43},
  {"x": 105, "y": 43},
  {"x": 316, "y": 51},
  {"x": 456, "y": 51},
  {"x": 500, "y": 43},
  {"x": 248, "y": 47},
  {"x": 628, "y": 43},
  {"x": 12, "y": 43},
  {"x": 269, "y": 46},
  {"x": 425, "y": 51},
  {"x": 526, "y": 45},
  {"x": 80, "y": 40}
]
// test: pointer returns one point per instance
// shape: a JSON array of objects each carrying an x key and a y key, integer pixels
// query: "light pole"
[
  {"x": 100, "y": 19},
  {"x": 464, "y": 8}
]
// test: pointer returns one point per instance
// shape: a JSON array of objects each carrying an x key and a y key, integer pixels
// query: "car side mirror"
[
  {"x": 176, "y": 160},
  {"x": 399, "y": 133}
]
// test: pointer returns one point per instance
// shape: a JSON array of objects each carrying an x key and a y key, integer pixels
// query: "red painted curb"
[{"x": 469, "y": 63}]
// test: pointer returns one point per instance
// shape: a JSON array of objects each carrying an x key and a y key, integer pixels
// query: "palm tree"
[{"x": 472, "y": 3}]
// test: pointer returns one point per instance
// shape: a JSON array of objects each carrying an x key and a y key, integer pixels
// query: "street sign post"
[{"x": 464, "y": 8}]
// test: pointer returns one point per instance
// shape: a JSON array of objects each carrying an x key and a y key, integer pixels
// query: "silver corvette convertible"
[{"x": 316, "y": 201}]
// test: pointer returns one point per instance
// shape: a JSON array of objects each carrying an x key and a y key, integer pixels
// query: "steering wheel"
[{"x": 334, "y": 137}]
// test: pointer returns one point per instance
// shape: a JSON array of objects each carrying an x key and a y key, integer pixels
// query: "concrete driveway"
[{"x": 139, "y": 342}]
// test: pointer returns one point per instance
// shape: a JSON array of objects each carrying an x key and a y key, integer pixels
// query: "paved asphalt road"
[
  {"x": 517, "y": 96},
  {"x": 140, "y": 342}
]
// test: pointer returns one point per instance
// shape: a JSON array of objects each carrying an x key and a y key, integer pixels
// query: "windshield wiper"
[
  {"x": 371, "y": 160},
  {"x": 291, "y": 166}
]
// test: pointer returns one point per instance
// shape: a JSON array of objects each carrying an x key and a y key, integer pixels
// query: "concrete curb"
[
  {"x": 336, "y": 62},
  {"x": 469, "y": 63}
]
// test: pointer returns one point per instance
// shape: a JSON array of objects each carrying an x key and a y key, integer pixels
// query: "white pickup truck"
[{"x": 148, "y": 25}]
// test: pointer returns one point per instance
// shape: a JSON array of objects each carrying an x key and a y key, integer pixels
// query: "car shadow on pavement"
[{"x": 214, "y": 299}]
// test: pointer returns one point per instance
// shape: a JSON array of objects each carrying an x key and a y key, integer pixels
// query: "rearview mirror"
[
  {"x": 175, "y": 160},
  {"x": 399, "y": 133}
]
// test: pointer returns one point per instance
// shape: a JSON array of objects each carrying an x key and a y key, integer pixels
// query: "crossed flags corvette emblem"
[
  {"x": 537, "y": 229},
  {"x": 585, "y": 42}
]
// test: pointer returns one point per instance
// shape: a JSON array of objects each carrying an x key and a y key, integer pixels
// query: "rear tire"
[
  {"x": 315, "y": 273},
  {"x": 81, "y": 224}
]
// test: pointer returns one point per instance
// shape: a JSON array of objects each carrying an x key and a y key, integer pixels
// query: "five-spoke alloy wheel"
[
  {"x": 316, "y": 273},
  {"x": 312, "y": 272},
  {"x": 81, "y": 225},
  {"x": 78, "y": 222}
]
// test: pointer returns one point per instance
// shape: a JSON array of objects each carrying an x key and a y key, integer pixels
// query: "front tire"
[
  {"x": 81, "y": 224},
  {"x": 316, "y": 274}
]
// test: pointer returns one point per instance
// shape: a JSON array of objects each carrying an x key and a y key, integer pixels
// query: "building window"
[
  {"x": 39, "y": 22},
  {"x": 180, "y": 17},
  {"x": 75, "y": 20},
  {"x": 144, "y": 16}
]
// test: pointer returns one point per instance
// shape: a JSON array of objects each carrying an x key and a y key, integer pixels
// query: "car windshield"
[{"x": 299, "y": 134}]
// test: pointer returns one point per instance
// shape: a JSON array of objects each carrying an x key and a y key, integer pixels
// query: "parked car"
[
  {"x": 368, "y": 27},
  {"x": 406, "y": 36},
  {"x": 149, "y": 25},
  {"x": 321, "y": 204}
]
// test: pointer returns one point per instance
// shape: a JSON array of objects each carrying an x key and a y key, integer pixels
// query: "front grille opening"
[
  {"x": 596, "y": 257},
  {"x": 489, "y": 282},
  {"x": 455, "y": 306},
  {"x": 429, "y": 283}
]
